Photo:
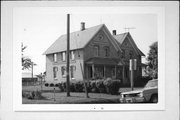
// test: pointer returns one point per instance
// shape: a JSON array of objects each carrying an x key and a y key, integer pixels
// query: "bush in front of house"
[
  {"x": 100, "y": 86},
  {"x": 79, "y": 86},
  {"x": 60, "y": 86},
  {"x": 93, "y": 87},
  {"x": 46, "y": 84},
  {"x": 112, "y": 86},
  {"x": 32, "y": 95},
  {"x": 51, "y": 85},
  {"x": 72, "y": 87}
]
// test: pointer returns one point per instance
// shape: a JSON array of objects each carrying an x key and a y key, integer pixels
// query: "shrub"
[
  {"x": 56, "y": 85},
  {"x": 51, "y": 85},
  {"x": 112, "y": 86},
  {"x": 79, "y": 86},
  {"x": 100, "y": 86},
  {"x": 64, "y": 86},
  {"x": 93, "y": 87},
  {"x": 46, "y": 84},
  {"x": 32, "y": 95},
  {"x": 72, "y": 87},
  {"x": 60, "y": 87}
]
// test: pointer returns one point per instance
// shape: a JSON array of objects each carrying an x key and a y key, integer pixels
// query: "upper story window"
[
  {"x": 96, "y": 50},
  {"x": 55, "y": 57},
  {"x": 130, "y": 54},
  {"x": 123, "y": 53},
  {"x": 72, "y": 56},
  {"x": 107, "y": 51},
  {"x": 63, "y": 56}
]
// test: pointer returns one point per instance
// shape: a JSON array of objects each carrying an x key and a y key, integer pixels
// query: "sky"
[{"x": 37, "y": 28}]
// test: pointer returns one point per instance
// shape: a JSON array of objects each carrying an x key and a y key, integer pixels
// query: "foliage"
[
  {"x": 112, "y": 86},
  {"x": 26, "y": 61},
  {"x": 79, "y": 86},
  {"x": 100, "y": 86},
  {"x": 93, "y": 87},
  {"x": 152, "y": 69},
  {"x": 32, "y": 95}
]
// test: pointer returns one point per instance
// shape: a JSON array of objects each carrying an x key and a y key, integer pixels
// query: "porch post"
[
  {"x": 93, "y": 71},
  {"x": 115, "y": 70},
  {"x": 104, "y": 71},
  {"x": 123, "y": 74}
]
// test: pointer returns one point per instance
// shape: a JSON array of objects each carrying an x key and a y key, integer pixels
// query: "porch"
[{"x": 99, "y": 68}]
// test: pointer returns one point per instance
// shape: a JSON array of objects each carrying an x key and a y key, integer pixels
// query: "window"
[
  {"x": 72, "y": 55},
  {"x": 100, "y": 37},
  {"x": 72, "y": 69},
  {"x": 63, "y": 56},
  {"x": 107, "y": 51},
  {"x": 63, "y": 71},
  {"x": 55, "y": 57},
  {"x": 96, "y": 50},
  {"x": 55, "y": 70},
  {"x": 123, "y": 54},
  {"x": 130, "y": 54}
]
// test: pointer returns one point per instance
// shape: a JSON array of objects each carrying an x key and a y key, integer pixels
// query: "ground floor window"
[
  {"x": 72, "y": 69},
  {"x": 63, "y": 71},
  {"x": 55, "y": 70}
]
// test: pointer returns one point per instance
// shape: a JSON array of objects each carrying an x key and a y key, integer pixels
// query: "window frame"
[
  {"x": 63, "y": 71},
  {"x": 55, "y": 57},
  {"x": 63, "y": 56},
  {"x": 107, "y": 51},
  {"x": 72, "y": 55},
  {"x": 96, "y": 50},
  {"x": 55, "y": 70}
]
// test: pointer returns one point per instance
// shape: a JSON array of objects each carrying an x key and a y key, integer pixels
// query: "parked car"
[{"x": 148, "y": 94}]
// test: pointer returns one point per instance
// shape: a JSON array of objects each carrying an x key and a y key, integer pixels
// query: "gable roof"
[
  {"x": 78, "y": 40},
  {"x": 121, "y": 37}
]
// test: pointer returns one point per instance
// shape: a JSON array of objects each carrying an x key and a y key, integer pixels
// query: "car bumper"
[{"x": 132, "y": 100}]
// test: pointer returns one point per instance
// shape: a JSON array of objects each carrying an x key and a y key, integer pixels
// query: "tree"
[
  {"x": 152, "y": 69},
  {"x": 26, "y": 61}
]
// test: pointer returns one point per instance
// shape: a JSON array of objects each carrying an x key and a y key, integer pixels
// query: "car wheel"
[{"x": 154, "y": 99}]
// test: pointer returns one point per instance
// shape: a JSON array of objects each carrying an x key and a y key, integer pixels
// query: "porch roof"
[{"x": 103, "y": 61}]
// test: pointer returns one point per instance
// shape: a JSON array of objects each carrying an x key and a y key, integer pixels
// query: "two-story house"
[{"x": 94, "y": 50}]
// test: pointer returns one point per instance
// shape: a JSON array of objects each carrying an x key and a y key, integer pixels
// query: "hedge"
[{"x": 108, "y": 85}]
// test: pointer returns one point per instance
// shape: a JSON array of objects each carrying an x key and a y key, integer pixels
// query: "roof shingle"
[{"x": 78, "y": 40}]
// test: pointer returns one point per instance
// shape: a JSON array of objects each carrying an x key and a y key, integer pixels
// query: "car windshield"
[{"x": 152, "y": 83}]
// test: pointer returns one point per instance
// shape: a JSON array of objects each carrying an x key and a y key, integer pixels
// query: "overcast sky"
[{"x": 38, "y": 28}]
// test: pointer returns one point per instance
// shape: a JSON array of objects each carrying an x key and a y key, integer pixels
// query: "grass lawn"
[{"x": 75, "y": 98}]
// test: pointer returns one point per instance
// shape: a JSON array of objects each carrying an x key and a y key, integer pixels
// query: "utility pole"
[
  {"x": 32, "y": 72},
  {"x": 67, "y": 52}
]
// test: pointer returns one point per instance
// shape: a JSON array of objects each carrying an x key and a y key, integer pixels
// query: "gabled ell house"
[{"x": 96, "y": 52}]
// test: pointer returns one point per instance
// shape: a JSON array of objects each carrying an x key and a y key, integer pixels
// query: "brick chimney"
[
  {"x": 114, "y": 32},
  {"x": 82, "y": 26}
]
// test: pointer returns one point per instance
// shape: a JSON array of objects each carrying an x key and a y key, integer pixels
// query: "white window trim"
[
  {"x": 63, "y": 56},
  {"x": 55, "y": 57}
]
